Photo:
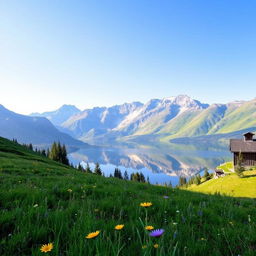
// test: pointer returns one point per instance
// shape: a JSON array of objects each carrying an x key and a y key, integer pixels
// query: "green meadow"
[{"x": 42, "y": 201}]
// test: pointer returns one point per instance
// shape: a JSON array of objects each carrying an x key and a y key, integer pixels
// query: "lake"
[{"x": 161, "y": 163}]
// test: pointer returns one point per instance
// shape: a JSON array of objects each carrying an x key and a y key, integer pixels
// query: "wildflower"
[
  {"x": 200, "y": 213},
  {"x": 174, "y": 223},
  {"x": 35, "y": 205},
  {"x": 144, "y": 246},
  {"x": 119, "y": 227},
  {"x": 96, "y": 210},
  {"x": 175, "y": 234},
  {"x": 156, "y": 246},
  {"x": 156, "y": 233},
  {"x": 149, "y": 227},
  {"x": 231, "y": 223},
  {"x": 146, "y": 204},
  {"x": 177, "y": 211},
  {"x": 46, "y": 247},
  {"x": 93, "y": 234},
  {"x": 203, "y": 239},
  {"x": 249, "y": 218},
  {"x": 165, "y": 197},
  {"x": 69, "y": 190}
]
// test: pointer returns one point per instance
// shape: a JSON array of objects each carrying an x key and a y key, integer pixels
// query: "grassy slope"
[
  {"x": 36, "y": 208},
  {"x": 241, "y": 118},
  {"x": 201, "y": 123},
  {"x": 230, "y": 185}
]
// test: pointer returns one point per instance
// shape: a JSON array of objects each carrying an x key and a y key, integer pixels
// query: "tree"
[
  {"x": 97, "y": 169},
  {"x": 58, "y": 153},
  {"x": 80, "y": 167},
  {"x": 182, "y": 181},
  {"x": 30, "y": 146},
  {"x": 142, "y": 178},
  {"x": 126, "y": 177},
  {"x": 239, "y": 169},
  {"x": 118, "y": 174},
  {"x": 198, "y": 179},
  {"x": 88, "y": 169},
  {"x": 206, "y": 174},
  {"x": 63, "y": 153}
]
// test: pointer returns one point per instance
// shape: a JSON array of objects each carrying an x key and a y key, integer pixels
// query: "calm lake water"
[{"x": 161, "y": 163}]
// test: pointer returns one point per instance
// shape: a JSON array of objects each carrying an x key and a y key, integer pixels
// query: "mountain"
[
  {"x": 99, "y": 120},
  {"x": 60, "y": 115},
  {"x": 164, "y": 119},
  {"x": 36, "y": 130},
  {"x": 156, "y": 114}
]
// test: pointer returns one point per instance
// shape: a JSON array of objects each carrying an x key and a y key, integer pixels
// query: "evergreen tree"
[
  {"x": 88, "y": 169},
  {"x": 126, "y": 177},
  {"x": 142, "y": 178},
  {"x": 30, "y": 146},
  {"x": 239, "y": 169},
  {"x": 58, "y": 153},
  {"x": 48, "y": 152},
  {"x": 64, "y": 158},
  {"x": 118, "y": 173},
  {"x": 80, "y": 167},
  {"x": 43, "y": 153},
  {"x": 182, "y": 181},
  {"x": 206, "y": 174},
  {"x": 97, "y": 169},
  {"x": 198, "y": 179}
]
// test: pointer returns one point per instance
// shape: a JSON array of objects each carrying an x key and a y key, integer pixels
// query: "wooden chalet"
[
  {"x": 247, "y": 147},
  {"x": 218, "y": 174}
]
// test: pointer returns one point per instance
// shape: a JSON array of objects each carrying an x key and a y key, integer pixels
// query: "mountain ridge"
[
  {"x": 170, "y": 117},
  {"x": 36, "y": 130}
]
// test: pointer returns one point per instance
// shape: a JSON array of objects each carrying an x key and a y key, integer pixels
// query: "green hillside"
[
  {"x": 42, "y": 202},
  {"x": 241, "y": 118},
  {"x": 179, "y": 122},
  {"x": 230, "y": 185},
  {"x": 201, "y": 123}
]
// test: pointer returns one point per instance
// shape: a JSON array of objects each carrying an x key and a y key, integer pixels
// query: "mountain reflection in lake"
[{"x": 161, "y": 163}]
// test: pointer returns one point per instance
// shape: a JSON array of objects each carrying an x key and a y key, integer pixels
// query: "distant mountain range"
[
  {"x": 167, "y": 118},
  {"x": 36, "y": 130}
]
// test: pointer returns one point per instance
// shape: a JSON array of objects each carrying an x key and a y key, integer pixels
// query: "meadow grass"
[
  {"x": 227, "y": 167},
  {"x": 42, "y": 202}
]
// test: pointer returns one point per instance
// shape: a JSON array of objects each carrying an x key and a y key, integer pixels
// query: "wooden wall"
[{"x": 249, "y": 159}]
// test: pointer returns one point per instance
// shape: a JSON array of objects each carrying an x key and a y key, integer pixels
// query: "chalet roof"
[
  {"x": 219, "y": 171},
  {"x": 249, "y": 133},
  {"x": 243, "y": 146}
]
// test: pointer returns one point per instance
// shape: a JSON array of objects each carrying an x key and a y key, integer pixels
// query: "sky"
[{"x": 104, "y": 52}]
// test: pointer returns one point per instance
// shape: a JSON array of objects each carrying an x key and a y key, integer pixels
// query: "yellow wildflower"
[
  {"x": 144, "y": 246},
  {"x": 149, "y": 227},
  {"x": 156, "y": 246},
  {"x": 69, "y": 190},
  {"x": 119, "y": 227},
  {"x": 146, "y": 204},
  {"x": 93, "y": 234},
  {"x": 46, "y": 247}
]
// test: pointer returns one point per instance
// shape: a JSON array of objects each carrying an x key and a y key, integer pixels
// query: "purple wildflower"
[
  {"x": 156, "y": 233},
  {"x": 165, "y": 197}
]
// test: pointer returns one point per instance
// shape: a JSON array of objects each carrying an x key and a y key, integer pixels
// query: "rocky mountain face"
[
  {"x": 60, "y": 115},
  {"x": 167, "y": 118},
  {"x": 36, "y": 130}
]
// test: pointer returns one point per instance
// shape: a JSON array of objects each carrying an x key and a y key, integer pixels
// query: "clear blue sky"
[{"x": 95, "y": 53}]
